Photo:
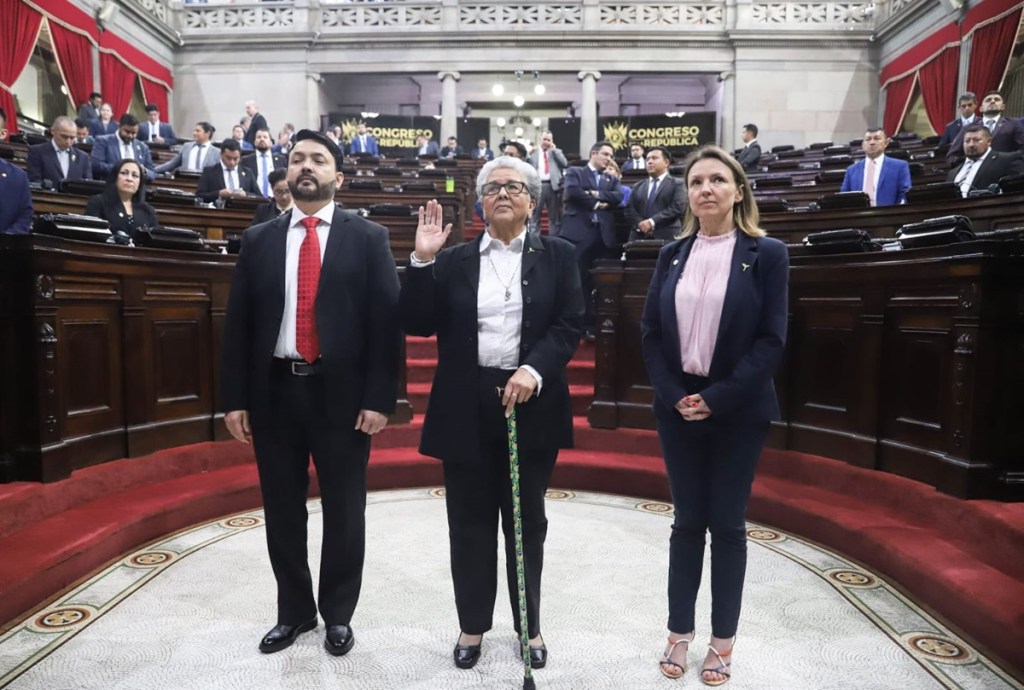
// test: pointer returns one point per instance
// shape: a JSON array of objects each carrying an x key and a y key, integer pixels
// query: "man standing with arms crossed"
[
  {"x": 550, "y": 162},
  {"x": 310, "y": 367}
]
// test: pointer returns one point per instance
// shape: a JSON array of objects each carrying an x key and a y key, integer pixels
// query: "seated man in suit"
[
  {"x": 656, "y": 207},
  {"x": 195, "y": 155},
  {"x": 16, "y": 209},
  {"x": 983, "y": 166},
  {"x": 750, "y": 156},
  {"x": 227, "y": 179},
  {"x": 281, "y": 201},
  {"x": 58, "y": 159},
  {"x": 884, "y": 179},
  {"x": 425, "y": 147},
  {"x": 968, "y": 106},
  {"x": 481, "y": 151},
  {"x": 262, "y": 162},
  {"x": 636, "y": 160},
  {"x": 108, "y": 149},
  {"x": 363, "y": 142},
  {"x": 1007, "y": 132},
  {"x": 82, "y": 135},
  {"x": 152, "y": 131},
  {"x": 452, "y": 149}
]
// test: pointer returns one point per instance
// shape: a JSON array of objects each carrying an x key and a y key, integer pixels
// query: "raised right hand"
[{"x": 430, "y": 238}]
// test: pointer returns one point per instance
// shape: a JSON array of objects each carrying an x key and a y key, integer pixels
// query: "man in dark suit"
[
  {"x": 58, "y": 159},
  {"x": 967, "y": 105},
  {"x": 310, "y": 367},
  {"x": 227, "y": 179},
  {"x": 281, "y": 198},
  {"x": 256, "y": 121},
  {"x": 197, "y": 154},
  {"x": 636, "y": 160},
  {"x": 983, "y": 166},
  {"x": 452, "y": 149},
  {"x": 591, "y": 196},
  {"x": 261, "y": 162},
  {"x": 152, "y": 131},
  {"x": 425, "y": 146},
  {"x": 481, "y": 151},
  {"x": 16, "y": 209},
  {"x": 90, "y": 110},
  {"x": 750, "y": 156},
  {"x": 656, "y": 207},
  {"x": 884, "y": 179},
  {"x": 82, "y": 135},
  {"x": 363, "y": 142},
  {"x": 1007, "y": 132},
  {"x": 550, "y": 162},
  {"x": 108, "y": 149}
]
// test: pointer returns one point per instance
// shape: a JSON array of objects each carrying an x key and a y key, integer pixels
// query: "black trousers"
[
  {"x": 476, "y": 493},
  {"x": 550, "y": 199},
  {"x": 298, "y": 428},
  {"x": 711, "y": 469},
  {"x": 587, "y": 253}
]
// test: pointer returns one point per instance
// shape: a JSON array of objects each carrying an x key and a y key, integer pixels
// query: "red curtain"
[
  {"x": 118, "y": 83},
  {"x": 897, "y": 98},
  {"x": 990, "y": 53},
  {"x": 74, "y": 58},
  {"x": 157, "y": 94},
  {"x": 15, "y": 50},
  {"x": 938, "y": 87}
]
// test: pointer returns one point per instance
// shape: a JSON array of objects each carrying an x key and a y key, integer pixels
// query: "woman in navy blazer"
[{"x": 713, "y": 329}]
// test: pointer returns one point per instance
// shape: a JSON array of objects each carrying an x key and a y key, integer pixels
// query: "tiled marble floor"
[{"x": 187, "y": 612}]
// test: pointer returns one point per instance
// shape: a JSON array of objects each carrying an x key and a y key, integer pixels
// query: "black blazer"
[
  {"x": 953, "y": 129},
  {"x": 356, "y": 315},
  {"x": 667, "y": 210},
  {"x": 257, "y": 123},
  {"x": 577, "y": 219},
  {"x": 995, "y": 166},
  {"x": 442, "y": 299},
  {"x": 751, "y": 334},
  {"x": 267, "y": 211},
  {"x": 211, "y": 181},
  {"x": 1007, "y": 137},
  {"x": 42, "y": 164},
  {"x": 750, "y": 156},
  {"x": 144, "y": 215}
]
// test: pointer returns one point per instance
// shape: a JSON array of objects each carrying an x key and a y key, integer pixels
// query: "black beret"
[{"x": 319, "y": 138}]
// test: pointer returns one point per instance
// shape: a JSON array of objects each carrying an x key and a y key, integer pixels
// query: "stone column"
[
  {"x": 588, "y": 110},
  {"x": 449, "y": 114}
]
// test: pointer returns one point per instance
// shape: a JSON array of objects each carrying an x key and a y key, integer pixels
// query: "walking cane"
[{"x": 517, "y": 525}]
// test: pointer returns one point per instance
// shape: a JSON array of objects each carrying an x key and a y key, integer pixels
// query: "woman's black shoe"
[
  {"x": 538, "y": 656},
  {"x": 466, "y": 655}
]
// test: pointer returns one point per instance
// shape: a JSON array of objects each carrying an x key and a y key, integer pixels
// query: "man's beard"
[
  {"x": 322, "y": 192},
  {"x": 262, "y": 146}
]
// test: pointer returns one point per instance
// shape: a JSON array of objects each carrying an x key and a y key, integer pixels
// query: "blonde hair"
[{"x": 745, "y": 215}]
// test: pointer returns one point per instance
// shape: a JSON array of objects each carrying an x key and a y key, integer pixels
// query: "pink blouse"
[{"x": 700, "y": 294}]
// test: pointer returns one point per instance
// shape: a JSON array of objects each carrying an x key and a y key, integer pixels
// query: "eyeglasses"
[
  {"x": 511, "y": 188},
  {"x": 282, "y": 192}
]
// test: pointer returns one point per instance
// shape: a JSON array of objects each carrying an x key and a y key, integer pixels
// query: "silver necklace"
[{"x": 507, "y": 284}]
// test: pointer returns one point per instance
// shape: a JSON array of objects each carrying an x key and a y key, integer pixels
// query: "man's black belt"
[{"x": 298, "y": 367}]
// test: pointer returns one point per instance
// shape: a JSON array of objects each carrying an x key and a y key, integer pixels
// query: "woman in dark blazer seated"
[
  {"x": 121, "y": 203},
  {"x": 105, "y": 124},
  {"x": 508, "y": 313},
  {"x": 714, "y": 328}
]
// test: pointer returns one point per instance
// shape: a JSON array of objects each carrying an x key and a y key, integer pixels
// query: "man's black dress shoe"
[
  {"x": 283, "y": 636},
  {"x": 538, "y": 656},
  {"x": 466, "y": 655},
  {"x": 339, "y": 639}
]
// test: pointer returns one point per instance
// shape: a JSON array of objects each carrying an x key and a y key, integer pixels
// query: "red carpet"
[{"x": 960, "y": 558}]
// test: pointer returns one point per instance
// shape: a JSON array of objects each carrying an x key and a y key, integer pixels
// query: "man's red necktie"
[{"x": 306, "y": 340}]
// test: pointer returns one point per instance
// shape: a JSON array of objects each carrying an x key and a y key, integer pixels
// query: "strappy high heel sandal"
[
  {"x": 669, "y": 668},
  {"x": 723, "y": 669}
]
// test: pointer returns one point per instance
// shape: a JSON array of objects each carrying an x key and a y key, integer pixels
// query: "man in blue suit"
[
  {"x": 885, "y": 180},
  {"x": 363, "y": 142},
  {"x": 16, "y": 210},
  {"x": 591, "y": 197},
  {"x": 108, "y": 149},
  {"x": 152, "y": 131},
  {"x": 426, "y": 147},
  {"x": 58, "y": 159}
]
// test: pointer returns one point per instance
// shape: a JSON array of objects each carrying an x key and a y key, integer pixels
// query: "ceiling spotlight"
[
  {"x": 497, "y": 89},
  {"x": 539, "y": 89},
  {"x": 500, "y": 122},
  {"x": 536, "y": 122},
  {"x": 519, "y": 131},
  {"x": 519, "y": 101}
]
